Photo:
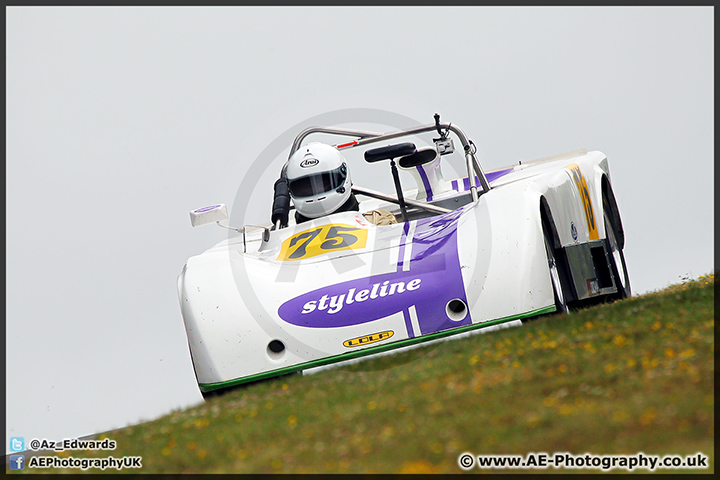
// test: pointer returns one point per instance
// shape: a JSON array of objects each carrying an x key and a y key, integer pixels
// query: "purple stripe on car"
[
  {"x": 426, "y": 182},
  {"x": 491, "y": 177},
  {"x": 408, "y": 323}
]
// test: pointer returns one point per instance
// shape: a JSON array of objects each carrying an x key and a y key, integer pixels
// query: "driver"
[{"x": 319, "y": 182}]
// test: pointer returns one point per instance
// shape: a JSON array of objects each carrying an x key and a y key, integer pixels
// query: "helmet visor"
[{"x": 318, "y": 183}]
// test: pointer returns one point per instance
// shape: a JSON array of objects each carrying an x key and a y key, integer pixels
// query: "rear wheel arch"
[
  {"x": 548, "y": 222},
  {"x": 610, "y": 205},
  {"x": 615, "y": 242},
  {"x": 549, "y": 229}
]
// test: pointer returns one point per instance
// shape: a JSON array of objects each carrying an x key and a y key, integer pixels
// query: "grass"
[{"x": 622, "y": 378}]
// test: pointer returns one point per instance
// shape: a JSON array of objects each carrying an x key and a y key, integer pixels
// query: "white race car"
[{"x": 484, "y": 249}]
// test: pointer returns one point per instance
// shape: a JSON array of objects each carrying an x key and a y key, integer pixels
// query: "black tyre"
[
  {"x": 556, "y": 271},
  {"x": 615, "y": 251}
]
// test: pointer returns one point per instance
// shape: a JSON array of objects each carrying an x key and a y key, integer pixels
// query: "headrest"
[
  {"x": 423, "y": 156},
  {"x": 391, "y": 151}
]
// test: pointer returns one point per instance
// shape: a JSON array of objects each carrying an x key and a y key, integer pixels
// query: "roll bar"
[{"x": 366, "y": 138}]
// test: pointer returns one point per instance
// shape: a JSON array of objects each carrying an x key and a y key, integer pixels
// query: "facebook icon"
[{"x": 17, "y": 462}]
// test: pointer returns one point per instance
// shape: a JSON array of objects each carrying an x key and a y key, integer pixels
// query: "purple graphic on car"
[
  {"x": 426, "y": 183},
  {"x": 206, "y": 209},
  {"x": 491, "y": 177},
  {"x": 420, "y": 290}
]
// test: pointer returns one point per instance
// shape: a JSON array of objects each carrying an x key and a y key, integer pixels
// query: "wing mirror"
[{"x": 211, "y": 214}]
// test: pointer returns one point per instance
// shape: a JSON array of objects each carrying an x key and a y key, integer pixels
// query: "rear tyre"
[
  {"x": 617, "y": 258},
  {"x": 556, "y": 273}
]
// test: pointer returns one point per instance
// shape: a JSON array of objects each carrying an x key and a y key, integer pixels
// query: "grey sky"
[{"x": 120, "y": 120}]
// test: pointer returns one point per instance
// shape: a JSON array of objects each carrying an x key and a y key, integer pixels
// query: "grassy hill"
[{"x": 622, "y": 378}]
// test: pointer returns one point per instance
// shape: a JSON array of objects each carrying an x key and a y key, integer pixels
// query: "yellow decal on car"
[
  {"x": 367, "y": 339},
  {"x": 320, "y": 240},
  {"x": 581, "y": 185}
]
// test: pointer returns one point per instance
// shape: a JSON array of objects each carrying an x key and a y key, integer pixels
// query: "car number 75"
[{"x": 320, "y": 240}]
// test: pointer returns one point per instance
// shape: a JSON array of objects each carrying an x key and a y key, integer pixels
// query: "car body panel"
[{"x": 339, "y": 287}]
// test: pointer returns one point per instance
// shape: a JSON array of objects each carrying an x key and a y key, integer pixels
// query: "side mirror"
[
  {"x": 211, "y": 214},
  {"x": 390, "y": 152}
]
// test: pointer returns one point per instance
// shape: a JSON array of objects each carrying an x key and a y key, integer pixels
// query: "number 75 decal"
[{"x": 320, "y": 240}]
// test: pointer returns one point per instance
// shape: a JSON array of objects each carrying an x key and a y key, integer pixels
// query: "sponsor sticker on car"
[{"x": 368, "y": 339}]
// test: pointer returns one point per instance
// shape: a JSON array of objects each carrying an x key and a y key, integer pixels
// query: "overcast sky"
[{"x": 120, "y": 120}]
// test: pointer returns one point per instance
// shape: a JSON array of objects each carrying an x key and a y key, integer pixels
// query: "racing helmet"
[{"x": 318, "y": 179}]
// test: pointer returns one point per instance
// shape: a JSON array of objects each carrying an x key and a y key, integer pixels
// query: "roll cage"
[
  {"x": 366, "y": 138},
  {"x": 363, "y": 138}
]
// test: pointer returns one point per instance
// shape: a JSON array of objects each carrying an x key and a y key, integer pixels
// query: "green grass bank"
[{"x": 632, "y": 376}]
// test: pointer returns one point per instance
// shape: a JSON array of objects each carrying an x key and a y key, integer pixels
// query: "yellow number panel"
[
  {"x": 581, "y": 185},
  {"x": 317, "y": 241}
]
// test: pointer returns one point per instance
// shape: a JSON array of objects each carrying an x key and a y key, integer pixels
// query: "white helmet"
[{"x": 318, "y": 179}]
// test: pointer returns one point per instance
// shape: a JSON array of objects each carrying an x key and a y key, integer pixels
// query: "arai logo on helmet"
[{"x": 309, "y": 162}]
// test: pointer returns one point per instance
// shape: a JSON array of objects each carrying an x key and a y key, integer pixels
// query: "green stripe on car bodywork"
[{"x": 209, "y": 387}]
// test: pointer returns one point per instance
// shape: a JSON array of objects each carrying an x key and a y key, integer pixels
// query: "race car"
[{"x": 457, "y": 255}]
